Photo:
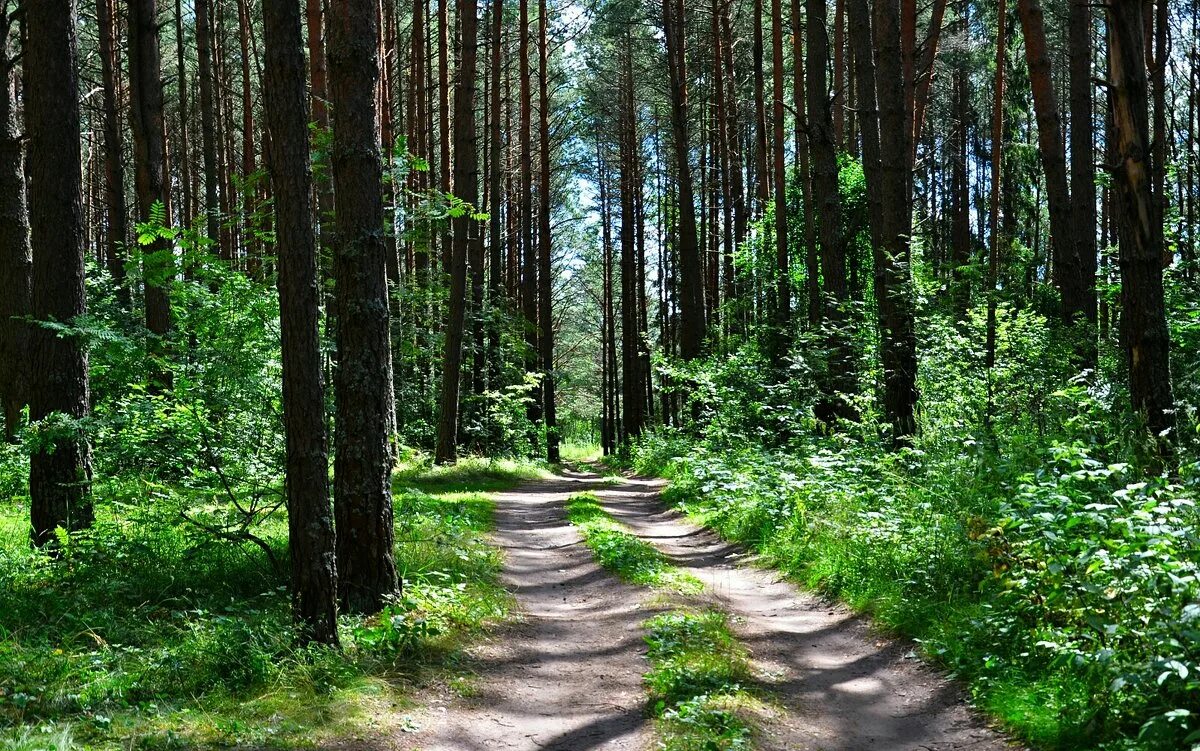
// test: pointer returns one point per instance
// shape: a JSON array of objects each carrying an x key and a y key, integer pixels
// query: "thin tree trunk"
[
  {"x": 149, "y": 158},
  {"x": 893, "y": 285},
  {"x": 466, "y": 182},
  {"x": 208, "y": 118},
  {"x": 16, "y": 263},
  {"x": 691, "y": 311},
  {"x": 545, "y": 251},
  {"x": 783, "y": 282},
  {"x": 1083, "y": 162}
]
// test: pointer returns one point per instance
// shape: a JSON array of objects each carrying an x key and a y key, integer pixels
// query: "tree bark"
[
  {"x": 893, "y": 284},
  {"x": 1143, "y": 312},
  {"x": 208, "y": 119},
  {"x": 545, "y": 254},
  {"x": 1068, "y": 263},
  {"x": 783, "y": 281},
  {"x": 691, "y": 309},
  {"x": 363, "y": 384},
  {"x": 16, "y": 264},
  {"x": 149, "y": 159},
  {"x": 466, "y": 182},
  {"x": 311, "y": 539},
  {"x": 60, "y": 473}
]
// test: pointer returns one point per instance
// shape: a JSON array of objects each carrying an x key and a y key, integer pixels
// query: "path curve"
[
  {"x": 567, "y": 677},
  {"x": 842, "y": 686}
]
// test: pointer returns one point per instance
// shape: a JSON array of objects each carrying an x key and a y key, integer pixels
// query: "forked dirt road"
[{"x": 568, "y": 676}]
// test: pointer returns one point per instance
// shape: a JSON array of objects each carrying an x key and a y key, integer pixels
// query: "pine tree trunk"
[
  {"x": 1068, "y": 265},
  {"x": 691, "y": 309},
  {"x": 545, "y": 254},
  {"x": 16, "y": 264},
  {"x": 208, "y": 118},
  {"x": 783, "y": 282},
  {"x": 149, "y": 159},
  {"x": 60, "y": 472},
  {"x": 893, "y": 283},
  {"x": 1143, "y": 312},
  {"x": 311, "y": 540},
  {"x": 466, "y": 181},
  {"x": 363, "y": 383}
]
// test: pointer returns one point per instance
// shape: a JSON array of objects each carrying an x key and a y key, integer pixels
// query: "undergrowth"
[
  {"x": 149, "y": 631},
  {"x": 624, "y": 553},
  {"x": 696, "y": 681},
  {"x": 1070, "y": 604}
]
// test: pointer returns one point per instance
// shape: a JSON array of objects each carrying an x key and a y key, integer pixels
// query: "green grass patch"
[
  {"x": 697, "y": 682},
  {"x": 624, "y": 553},
  {"x": 149, "y": 631}
]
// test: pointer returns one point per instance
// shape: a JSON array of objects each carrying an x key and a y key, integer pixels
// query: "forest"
[{"x": 694, "y": 375}]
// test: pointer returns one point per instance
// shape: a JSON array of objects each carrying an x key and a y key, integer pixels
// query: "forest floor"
[{"x": 568, "y": 674}]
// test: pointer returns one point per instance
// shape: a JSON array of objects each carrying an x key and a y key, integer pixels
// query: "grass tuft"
[
  {"x": 696, "y": 682},
  {"x": 624, "y": 553}
]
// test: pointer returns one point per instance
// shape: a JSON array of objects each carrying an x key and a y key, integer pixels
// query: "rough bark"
[
  {"x": 783, "y": 280},
  {"x": 893, "y": 290},
  {"x": 311, "y": 540},
  {"x": 16, "y": 264},
  {"x": 1067, "y": 263},
  {"x": 545, "y": 254},
  {"x": 1143, "y": 313},
  {"x": 150, "y": 174},
  {"x": 691, "y": 293},
  {"x": 60, "y": 473},
  {"x": 363, "y": 383},
  {"x": 208, "y": 119},
  {"x": 466, "y": 182}
]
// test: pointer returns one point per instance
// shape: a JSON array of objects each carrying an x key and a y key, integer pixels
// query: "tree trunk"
[
  {"x": 632, "y": 382},
  {"x": 762, "y": 180},
  {"x": 466, "y": 182},
  {"x": 208, "y": 118},
  {"x": 993, "y": 266},
  {"x": 1068, "y": 266},
  {"x": 893, "y": 284},
  {"x": 1143, "y": 312},
  {"x": 363, "y": 458},
  {"x": 310, "y": 518},
  {"x": 691, "y": 309},
  {"x": 496, "y": 219},
  {"x": 545, "y": 255},
  {"x": 16, "y": 264},
  {"x": 783, "y": 281},
  {"x": 1083, "y": 165},
  {"x": 60, "y": 472},
  {"x": 149, "y": 159}
]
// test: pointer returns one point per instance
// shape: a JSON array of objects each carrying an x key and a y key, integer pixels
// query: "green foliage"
[
  {"x": 624, "y": 553},
  {"x": 147, "y": 627},
  {"x": 696, "y": 681},
  {"x": 1035, "y": 553}
]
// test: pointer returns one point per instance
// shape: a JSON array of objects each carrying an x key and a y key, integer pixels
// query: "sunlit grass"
[
  {"x": 697, "y": 682},
  {"x": 151, "y": 633},
  {"x": 622, "y": 552}
]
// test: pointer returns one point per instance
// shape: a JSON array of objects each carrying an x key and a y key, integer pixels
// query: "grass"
[
  {"x": 696, "y": 682},
  {"x": 698, "y": 669},
  {"x": 624, "y": 553},
  {"x": 148, "y": 632}
]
